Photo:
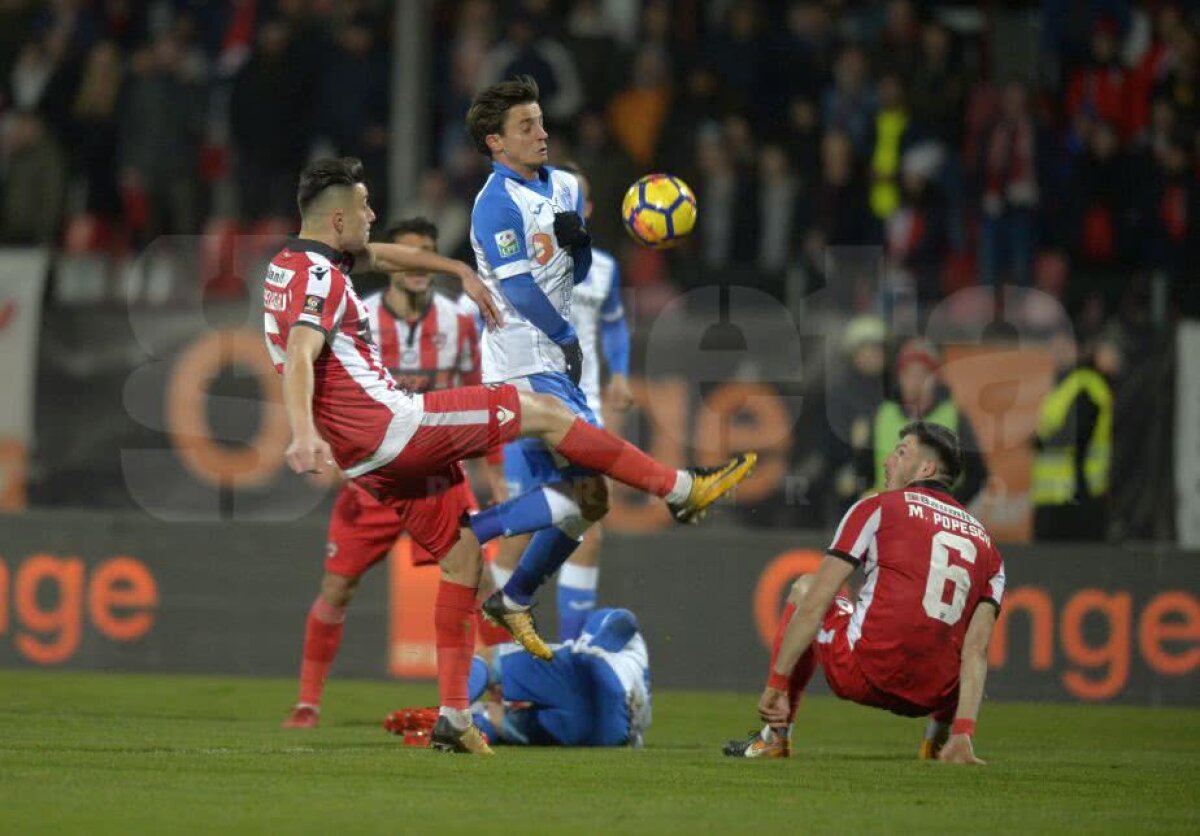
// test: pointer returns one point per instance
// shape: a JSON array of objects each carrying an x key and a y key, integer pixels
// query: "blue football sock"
[
  {"x": 527, "y": 512},
  {"x": 574, "y": 606},
  {"x": 548, "y": 550}
]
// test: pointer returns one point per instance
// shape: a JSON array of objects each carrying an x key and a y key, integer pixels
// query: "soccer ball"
[{"x": 659, "y": 211}]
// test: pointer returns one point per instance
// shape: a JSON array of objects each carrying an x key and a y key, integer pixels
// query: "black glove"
[
  {"x": 570, "y": 232},
  {"x": 573, "y": 353}
]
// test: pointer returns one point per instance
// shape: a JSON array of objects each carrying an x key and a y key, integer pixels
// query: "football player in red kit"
[
  {"x": 426, "y": 342},
  {"x": 404, "y": 447},
  {"x": 915, "y": 640}
]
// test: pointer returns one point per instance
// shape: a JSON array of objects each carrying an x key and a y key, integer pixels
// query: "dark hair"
[
  {"x": 490, "y": 108},
  {"x": 326, "y": 173},
  {"x": 418, "y": 225},
  {"x": 942, "y": 441}
]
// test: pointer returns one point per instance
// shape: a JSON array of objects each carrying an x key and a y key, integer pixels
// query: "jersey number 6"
[{"x": 941, "y": 571}]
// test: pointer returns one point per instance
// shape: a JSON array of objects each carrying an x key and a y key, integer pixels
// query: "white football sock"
[{"x": 683, "y": 487}]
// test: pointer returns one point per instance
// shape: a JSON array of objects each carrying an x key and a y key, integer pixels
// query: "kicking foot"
[
  {"x": 518, "y": 624},
  {"x": 710, "y": 484},
  {"x": 302, "y": 717},
  {"x": 469, "y": 741},
  {"x": 765, "y": 743}
]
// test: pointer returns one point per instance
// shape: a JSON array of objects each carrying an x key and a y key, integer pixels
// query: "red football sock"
[
  {"x": 489, "y": 634},
  {"x": 322, "y": 638},
  {"x": 455, "y": 630},
  {"x": 599, "y": 450}
]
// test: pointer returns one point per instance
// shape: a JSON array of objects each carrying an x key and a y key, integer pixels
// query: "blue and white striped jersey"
[{"x": 512, "y": 232}]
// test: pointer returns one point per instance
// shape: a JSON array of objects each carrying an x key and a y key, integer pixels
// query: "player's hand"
[
  {"x": 570, "y": 232},
  {"x": 478, "y": 293},
  {"x": 308, "y": 453},
  {"x": 773, "y": 706},
  {"x": 619, "y": 393},
  {"x": 574, "y": 355},
  {"x": 958, "y": 749}
]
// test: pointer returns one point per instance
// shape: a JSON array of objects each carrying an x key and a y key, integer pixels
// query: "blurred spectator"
[
  {"x": 527, "y": 51},
  {"x": 591, "y": 42},
  {"x": 1101, "y": 89},
  {"x": 695, "y": 106},
  {"x": 1067, "y": 26},
  {"x": 841, "y": 216},
  {"x": 44, "y": 78},
  {"x": 898, "y": 48},
  {"x": 34, "y": 184},
  {"x": 160, "y": 127},
  {"x": 727, "y": 233},
  {"x": 637, "y": 113},
  {"x": 610, "y": 172},
  {"x": 1181, "y": 85},
  {"x": 1171, "y": 208},
  {"x": 448, "y": 213},
  {"x": 855, "y": 393},
  {"x": 1152, "y": 65},
  {"x": 798, "y": 58},
  {"x": 921, "y": 396},
  {"x": 1073, "y": 447},
  {"x": 889, "y": 137},
  {"x": 1106, "y": 200},
  {"x": 849, "y": 103},
  {"x": 271, "y": 122},
  {"x": 917, "y": 234},
  {"x": 735, "y": 54},
  {"x": 939, "y": 87},
  {"x": 352, "y": 102},
  {"x": 94, "y": 130},
  {"x": 1010, "y": 191},
  {"x": 780, "y": 210},
  {"x": 803, "y": 138}
]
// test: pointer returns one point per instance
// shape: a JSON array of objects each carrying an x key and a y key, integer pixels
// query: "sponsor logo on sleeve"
[
  {"x": 278, "y": 276},
  {"x": 506, "y": 242},
  {"x": 314, "y": 304}
]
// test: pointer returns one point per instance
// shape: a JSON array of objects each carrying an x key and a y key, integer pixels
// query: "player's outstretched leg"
[{"x": 688, "y": 493}]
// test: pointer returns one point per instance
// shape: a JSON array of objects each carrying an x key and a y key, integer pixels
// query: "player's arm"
[
  {"x": 614, "y": 342},
  {"x": 499, "y": 229},
  {"x": 389, "y": 257},
  {"x": 308, "y": 452},
  {"x": 571, "y": 233},
  {"x": 971, "y": 678},
  {"x": 829, "y": 577}
]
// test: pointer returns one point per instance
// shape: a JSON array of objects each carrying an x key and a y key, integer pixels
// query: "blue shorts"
[{"x": 528, "y": 463}]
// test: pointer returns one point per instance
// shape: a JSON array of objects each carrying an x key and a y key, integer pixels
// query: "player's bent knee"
[
  {"x": 338, "y": 590},
  {"x": 543, "y": 413},
  {"x": 593, "y": 499}
]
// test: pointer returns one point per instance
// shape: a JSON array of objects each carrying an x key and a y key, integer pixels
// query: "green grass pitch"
[{"x": 103, "y": 753}]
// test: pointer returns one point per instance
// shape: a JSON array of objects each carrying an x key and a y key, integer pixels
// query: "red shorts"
[
  {"x": 423, "y": 486},
  {"x": 842, "y": 671},
  {"x": 362, "y": 531}
]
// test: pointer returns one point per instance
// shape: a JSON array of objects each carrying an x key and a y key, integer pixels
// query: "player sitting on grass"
[
  {"x": 595, "y": 691},
  {"x": 915, "y": 642}
]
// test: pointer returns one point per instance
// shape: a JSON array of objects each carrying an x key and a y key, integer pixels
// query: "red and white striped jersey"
[
  {"x": 928, "y": 565},
  {"x": 357, "y": 406},
  {"x": 436, "y": 351}
]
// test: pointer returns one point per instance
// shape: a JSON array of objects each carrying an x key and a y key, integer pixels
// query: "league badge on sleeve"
[
  {"x": 506, "y": 242},
  {"x": 314, "y": 304}
]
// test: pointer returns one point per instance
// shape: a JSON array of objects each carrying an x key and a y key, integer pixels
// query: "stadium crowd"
[{"x": 804, "y": 127}]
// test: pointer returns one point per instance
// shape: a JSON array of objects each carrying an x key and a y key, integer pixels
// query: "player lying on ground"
[
  {"x": 595, "y": 691},
  {"x": 426, "y": 342},
  {"x": 598, "y": 318},
  {"x": 915, "y": 642},
  {"x": 404, "y": 448}
]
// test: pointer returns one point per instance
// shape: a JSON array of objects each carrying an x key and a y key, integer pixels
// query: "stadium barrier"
[{"x": 126, "y": 592}]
